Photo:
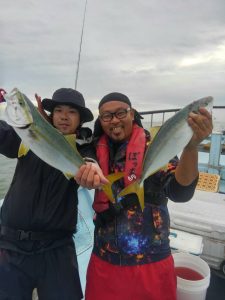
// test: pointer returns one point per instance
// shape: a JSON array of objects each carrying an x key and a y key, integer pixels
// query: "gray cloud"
[{"x": 161, "y": 53}]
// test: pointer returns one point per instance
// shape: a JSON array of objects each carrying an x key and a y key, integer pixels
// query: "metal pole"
[{"x": 81, "y": 39}]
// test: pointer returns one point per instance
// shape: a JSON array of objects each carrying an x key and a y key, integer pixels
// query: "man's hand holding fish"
[
  {"x": 201, "y": 125},
  {"x": 90, "y": 176}
]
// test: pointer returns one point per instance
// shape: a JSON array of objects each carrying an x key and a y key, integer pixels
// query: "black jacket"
[{"x": 40, "y": 197}]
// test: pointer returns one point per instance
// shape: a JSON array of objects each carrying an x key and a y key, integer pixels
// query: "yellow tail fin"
[
  {"x": 153, "y": 132},
  {"x": 136, "y": 189},
  {"x": 23, "y": 149},
  {"x": 107, "y": 188}
]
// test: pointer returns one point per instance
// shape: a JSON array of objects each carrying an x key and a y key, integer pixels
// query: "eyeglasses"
[{"x": 119, "y": 114}]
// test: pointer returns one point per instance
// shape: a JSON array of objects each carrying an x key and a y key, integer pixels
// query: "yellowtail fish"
[
  {"x": 170, "y": 140},
  {"x": 38, "y": 135}
]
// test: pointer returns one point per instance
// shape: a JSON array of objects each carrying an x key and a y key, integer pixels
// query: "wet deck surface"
[{"x": 216, "y": 290}]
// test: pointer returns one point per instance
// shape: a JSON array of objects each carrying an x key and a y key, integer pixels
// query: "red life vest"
[{"x": 133, "y": 165}]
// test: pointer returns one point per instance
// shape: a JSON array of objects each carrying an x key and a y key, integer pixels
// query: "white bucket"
[{"x": 192, "y": 289}]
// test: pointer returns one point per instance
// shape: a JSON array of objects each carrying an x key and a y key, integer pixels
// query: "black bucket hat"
[{"x": 67, "y": 96}]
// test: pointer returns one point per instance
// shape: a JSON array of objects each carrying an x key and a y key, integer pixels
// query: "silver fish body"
[
  {"x": 40, "y": 136},
  {"x": 172, "y": 137},
  {"x": 170, "y": 140},
  {"x": 2, "y": 110}
]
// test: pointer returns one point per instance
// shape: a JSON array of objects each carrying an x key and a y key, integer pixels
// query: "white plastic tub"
[{"x": 192, "y": 289}]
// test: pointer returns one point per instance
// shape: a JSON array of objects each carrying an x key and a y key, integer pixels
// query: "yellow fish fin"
[
  {"x": 134, "y": 188},
  {"x": 153, "y": 132},
  {"x": 107, "y": 188},
  {"x": 71, "y": 139},
  {"x": 68, "y": 175},
  {"x": 23, "y": 149}
]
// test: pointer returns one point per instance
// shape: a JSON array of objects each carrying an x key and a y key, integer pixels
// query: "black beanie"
[{"x": 114, "y": 97}]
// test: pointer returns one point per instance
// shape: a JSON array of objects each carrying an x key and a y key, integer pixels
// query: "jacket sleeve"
[
  {"x": 163, "y": 185},
  {"x": 175, "y": 191},
  {"x": 9, "y": 141}
]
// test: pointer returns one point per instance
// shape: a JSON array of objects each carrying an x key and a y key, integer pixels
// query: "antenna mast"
[{"x": 81, "y": 40}]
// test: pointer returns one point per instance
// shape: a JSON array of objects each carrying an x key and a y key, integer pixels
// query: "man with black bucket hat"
[
  {"x": 73, "y": 98},
  {"x": 131, "y": 257},
  {"x": 39, "y": 213}
]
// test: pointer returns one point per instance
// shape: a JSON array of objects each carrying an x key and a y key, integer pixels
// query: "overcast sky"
[{"x": 161, "y": 53}]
